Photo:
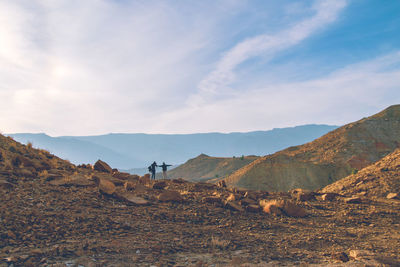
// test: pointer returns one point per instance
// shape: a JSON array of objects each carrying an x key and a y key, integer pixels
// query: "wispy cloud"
[{"x": 267, "y": 45}]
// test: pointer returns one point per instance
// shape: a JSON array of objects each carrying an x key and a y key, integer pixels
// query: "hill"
[
  {"x": 204, "y": 167},
  {"x": 377, "y": 180},
  {"x": 53, "y": 213},
  {"x": 326, "y": 159},
  {"x": 127, "y": 151}
]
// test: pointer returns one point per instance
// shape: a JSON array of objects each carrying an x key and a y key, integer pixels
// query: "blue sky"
[{"x": 70, "y": 67}]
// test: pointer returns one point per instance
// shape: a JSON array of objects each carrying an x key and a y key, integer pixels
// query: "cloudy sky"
[{"x": 73, "y": 67}]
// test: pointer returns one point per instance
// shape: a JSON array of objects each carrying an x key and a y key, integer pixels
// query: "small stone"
[
  {"x": 340, "y": 256},
  {"x": 106, "y": 187},
  {"x": 212, "y": 199},
  {"x": 328, "y": 196},
  {"x": 253, "y": 208},
  {"x": 231, "y": 197},
  {"x": 392, "y": 196},
  {"x": 234, "y": 206},
  {"x": 160, "y": 185}
]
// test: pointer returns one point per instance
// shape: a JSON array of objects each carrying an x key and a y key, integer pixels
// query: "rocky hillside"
[
  {"x": 378, "y": 180},
  {"x": 327, "y": 159},
  {"x": 53, "y": 213},
  {"x": 204, "y": 167}
]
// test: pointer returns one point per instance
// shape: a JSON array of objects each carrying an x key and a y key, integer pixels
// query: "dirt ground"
[{"x": 42, "y": 224}]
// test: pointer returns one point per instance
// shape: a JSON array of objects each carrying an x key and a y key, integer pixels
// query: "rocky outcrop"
[
  {"x": 102, "y": 166},
  {"x": 325, "y": 160}
]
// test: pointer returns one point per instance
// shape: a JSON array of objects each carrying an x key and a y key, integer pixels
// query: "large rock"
[
  {"x": 392, "y": 196},
  {"x": 106, "y": 187},
  {"x": 170, "y": 196},
  {"x": 283, "y": 206},
  {"x": 101, "y": 166},
  {"x": 160, "y": 184},
  {"x": 302, "y": 194}
]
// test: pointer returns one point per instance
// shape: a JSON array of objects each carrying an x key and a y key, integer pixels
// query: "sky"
[{"x": 72, "y": 67}]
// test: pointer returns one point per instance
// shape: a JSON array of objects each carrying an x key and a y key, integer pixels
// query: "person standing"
[
  {"x": 164, "y": 169},
  {"x": 153, "y": 170}
]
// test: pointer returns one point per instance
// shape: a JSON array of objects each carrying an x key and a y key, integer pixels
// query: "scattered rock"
[
  {"x": 170, "y": 195},
  {"x": 222, "y": 184},
  {"x": 5, "y": 185},
  {"x": 392, "y": 195},
  {"x": 302, "y": 194},
  {"x": 101, "y": 166},
  {"x": 179, "y": 181},
  {"x": 122, "y": 175},
  {"x": 247, "y": 201},
  {"x": 253, "y": 208},
  {"x": 359, "y": 254},
  {"x": 231, "y": 197},
  {"x": 145, "y": 179},
  {"x": 160, "y": 185},
  {"x": 272, "y": 207},
  {"x": 76, "y": 180}
]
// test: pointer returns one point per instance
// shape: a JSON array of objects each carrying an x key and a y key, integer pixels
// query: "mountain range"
[{"x": 127, "y": 151}]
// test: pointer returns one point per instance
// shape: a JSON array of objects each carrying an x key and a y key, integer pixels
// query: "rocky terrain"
[
  {"x": 325, "y": 160},
  {"x": 53, "y": 213},
  {"x": 377, "y": 180},
  {"x": 203, "y": 167}
]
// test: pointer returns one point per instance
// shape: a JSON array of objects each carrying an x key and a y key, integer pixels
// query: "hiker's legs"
[
  {"x": 153, "y": 175},
  {"x": 164, "y": 175}
]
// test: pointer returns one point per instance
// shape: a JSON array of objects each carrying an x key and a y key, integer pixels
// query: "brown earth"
[
  {"x": 376, "y": 180},
  {"x": 203, "y": 167},
  {"x": 55, "y": 214},
  {"x": 326, "y": 159}
]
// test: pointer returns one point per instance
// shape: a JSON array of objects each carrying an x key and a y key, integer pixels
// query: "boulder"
[
  {"x": 231, "y": 197},
  {"x": 160, "y": 184},
  {"x": 392, "y": 196},
  {"x": 302, "y": 194},
  {"x": 145, "y": 179},
  {"x": 101, "y": 166},
  {"x": 129, "y": 186},
  {"x": 106, "y": 187},
  {"x": 121, "y": 175},
  {"x": 221, "y": 184},
  {"x": 170, "y": 196},
  {"x": 278, "y": 207}
]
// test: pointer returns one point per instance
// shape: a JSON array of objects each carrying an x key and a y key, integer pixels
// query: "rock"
[
  {"x": 122, "y": 175},
  {"x": 234, "y": 206},
  {"x": 212, "y": 199},
  {"x": 131, "y": 198},
  {"x": 392, "y": 196},
  {"x": 231, "y": 197},
  {"x": 352, "y": 200},
  {"x": 108, "y": 177},
  {"x": 145, "y": 179},
  {"x": 160, "y": 185},
  {"x": 287, "y": 207},
  {"x": 169, "y": 195},
  {"x": 253, "y": 208},
  {"x": 302, "y": 194},
  {"x": 203, "y": 186},
  {"x": 328, "y": 196},
  {"x": 106, "y": 187},
  {"x": 129, "y": 185},
  {"x": 101, "y": 166},
  {"x": 358, "y": 254}
]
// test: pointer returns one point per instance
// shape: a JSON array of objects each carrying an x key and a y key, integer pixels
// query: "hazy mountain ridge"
[
  {"x": 326, "y": 159},
  {"x": 126, "y": 151}
]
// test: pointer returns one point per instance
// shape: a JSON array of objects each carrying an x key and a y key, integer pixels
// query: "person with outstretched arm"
[
  {"x": 164, "y": 169},
  {"x": 153, "y": 170}
]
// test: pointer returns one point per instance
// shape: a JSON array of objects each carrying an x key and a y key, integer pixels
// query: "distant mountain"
[
  {"x": 126, "y": 151},
  {"x": 376, "y": 180},
  {"x": 327, "y": 159},
  {"x": 203, "y": 167}
]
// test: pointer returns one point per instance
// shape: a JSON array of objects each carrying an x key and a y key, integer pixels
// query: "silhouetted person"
[
  {"x": 153, "y": 170},
  {"x": 164, "y": 169}
]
